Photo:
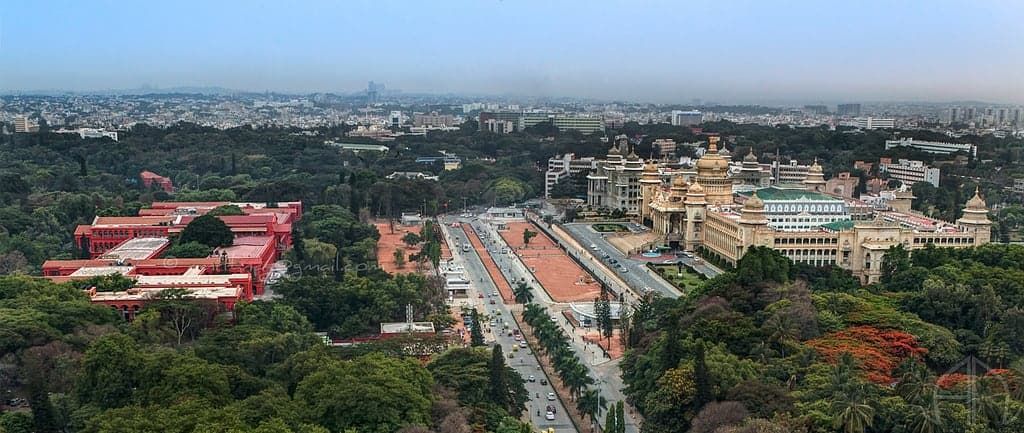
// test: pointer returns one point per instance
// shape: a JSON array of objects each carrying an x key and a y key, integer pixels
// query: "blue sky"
[{"x": 659, "y": 51}]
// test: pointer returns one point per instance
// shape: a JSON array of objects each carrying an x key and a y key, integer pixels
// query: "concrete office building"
[
  {"x": 815, "y": 109},
  {"x": 563, "y": 166},
  {"x": 433, "y": 119},
  {"x": 615, "y": 183},
  {"x": 500, "y": 116},
  {"x": 848, "y": 110},
  {"x": 909, "y": 171},
  {"x": 22, "y": 125},
  {"x": 686, "y": 118},
  {"x": 497, "y": 126},
  {"x": 666, "y": 147},
  {"x": 875, "y": 123},
  {"x": 933, "y": 146},
  {"x": 586, "y": 125},
  {"x": 793, "y": 172}
]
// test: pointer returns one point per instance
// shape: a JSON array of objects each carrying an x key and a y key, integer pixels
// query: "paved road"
[
  {"x": 638, "y": 277},
  {"x": 524, "y": 361},
  {"x": 606, "y": 372}
]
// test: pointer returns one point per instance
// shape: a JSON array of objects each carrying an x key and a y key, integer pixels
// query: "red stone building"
[
  {"x": 130, "y": 246},
  {"x": 149, "y": 179},
  {"x": 166, "y": 218}
]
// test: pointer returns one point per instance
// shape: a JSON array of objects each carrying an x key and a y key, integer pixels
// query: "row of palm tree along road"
[{"x": 574, "y": 374}]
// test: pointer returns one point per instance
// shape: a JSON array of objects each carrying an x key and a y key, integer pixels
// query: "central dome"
[{"x": 712, "y": 161}]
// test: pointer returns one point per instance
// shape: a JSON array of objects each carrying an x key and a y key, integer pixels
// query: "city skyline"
[{"x": 662, "y": 52}]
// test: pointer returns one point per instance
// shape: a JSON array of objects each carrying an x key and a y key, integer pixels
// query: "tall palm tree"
[
  {"x": 523, "y": 293},
  {"x": 916, "y": 383},
  {"x": 577, "y": 379},
  {"x": 590, "y": 404},
  {"x": 782, "y": 330},
  {"x": 926, "y": 417},
  {"x": 851, "y": 414}
]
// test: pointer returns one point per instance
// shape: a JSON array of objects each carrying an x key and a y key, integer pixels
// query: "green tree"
[
  {"x": 411, "y": 239},
  {"x": 207, "y": 230},
  {"x": 701, "y": 377},
  {"x": 852, "y": 415},
  {"x": 476, "y": 335},
  {"x": 187, "y": 250},
  {"x": 522, "y": 293},
  {"x": 611, "y": 423},
  {"x": 228, "y": 209},
  {"x": 180, "y": 312},
  {"x": 399, "y": 258},
  {"x": 895, "y": 261},
  {"x": 590, "y": 404},
  {"x": 527, "y": 235},
  {"x": 497, "y": 386},
  {"x": 109, "y": 371},
  {"x": 373, "y": 393},
  {"x": 620, "y": 417}
]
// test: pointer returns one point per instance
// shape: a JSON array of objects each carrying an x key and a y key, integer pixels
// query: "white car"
[
  {"x": 550, "y": 416},
  {"x": 551, "y": 396}
]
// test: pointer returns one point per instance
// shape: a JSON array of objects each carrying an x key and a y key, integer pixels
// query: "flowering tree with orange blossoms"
[
  {"x": 877, "y": 351},
  {"x": 952, "y": 380}
]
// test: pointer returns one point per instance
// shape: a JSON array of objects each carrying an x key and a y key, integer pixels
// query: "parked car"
[
  {"x": 550, "y": 416},
  {"x": 543, "y": 381},
  {"x": 492, "y": 302},
  {"x": 551, "y": 396},
  {"x": 531, "y": 378},
  {"x": 522, "y": 344}
]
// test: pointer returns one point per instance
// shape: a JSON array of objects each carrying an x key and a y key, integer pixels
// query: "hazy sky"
[{"x": 659, "y": 51}]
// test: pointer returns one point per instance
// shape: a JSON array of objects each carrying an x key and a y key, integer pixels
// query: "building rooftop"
[
  {"x": 137, "y": 249},
  {"x": 246, "y": 247},
  {"x": 839, "y": 225},
  {"x": 93, "y": 271},
  {"x": 400, "y": 327},
  {"x": 775, "y": 193}
]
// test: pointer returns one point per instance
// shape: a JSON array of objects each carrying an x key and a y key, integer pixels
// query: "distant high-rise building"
[
  {"x": 686, "y": 118},
  {"x": 1002, "y": 116},
  {"x": 498, "y": 126},
  {"x": 433, "y": 119},
  {"x": 952, "y": 115},
  {"x": 971, "y": 114},
  {"x": 396, "y": 119},
  {"x": 851, "y": 110},
  {"x": 21, "y": 124},
  {"x": 1017, "y": 117},
  {"x": 815, "y": 109},
  {"x": 499, "y": 116},
  {"x": 373, "y": 92},
  {"x": 875, "y": 123},
  {"x": 586, "y": 125}
]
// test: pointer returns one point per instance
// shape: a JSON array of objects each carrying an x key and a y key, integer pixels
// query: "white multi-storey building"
[
  {"x": 875, "y": 123},
  {"x": 686, "y": 118},
  {"x": 933, "y": 146},
  {"x": 563, "y": 166},
  {"x": 909, "y": 171}
]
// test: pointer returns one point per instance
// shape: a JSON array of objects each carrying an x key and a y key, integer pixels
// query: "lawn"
[
  {"x": 689, "y": 279},
  {"x": 606, "y": 228}
]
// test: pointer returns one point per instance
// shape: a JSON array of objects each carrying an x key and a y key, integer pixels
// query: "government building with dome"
[{"x": 707, "y": 210}]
